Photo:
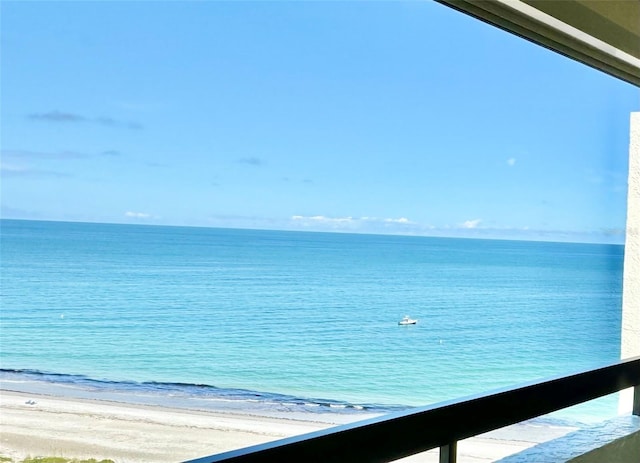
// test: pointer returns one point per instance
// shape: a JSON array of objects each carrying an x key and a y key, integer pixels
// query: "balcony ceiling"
[{"x": 604, "y": 34}]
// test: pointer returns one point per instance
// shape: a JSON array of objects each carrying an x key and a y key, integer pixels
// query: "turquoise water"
[{"x": 306, "y": 319}]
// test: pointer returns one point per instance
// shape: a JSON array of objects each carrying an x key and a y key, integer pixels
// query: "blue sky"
[{"x": 370, "y": 117}]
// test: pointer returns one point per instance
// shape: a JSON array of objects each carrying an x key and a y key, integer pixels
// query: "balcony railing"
[{"x": 398, "y": 435}]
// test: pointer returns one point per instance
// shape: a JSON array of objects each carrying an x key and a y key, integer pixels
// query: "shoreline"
[
  {"x": 195, "y": 396},
  {"x": 36, "y": 424},
  {"x": 250, "y": 403}
]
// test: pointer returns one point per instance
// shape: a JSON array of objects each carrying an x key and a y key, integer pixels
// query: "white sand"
[{"x": 81, "y": 428}]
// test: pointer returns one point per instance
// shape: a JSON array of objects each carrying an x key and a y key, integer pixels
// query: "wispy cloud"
[
  {"x": 111, "y": 153},
  {"x": 18, "y": 170},
  {"x": 323, "y": 219},
  {"x": 24, "y": 163},
  {"x": 511, "y": 162},
  {"x": 110, "y": 122},
  {"x": 400, "y": 220},
  {"x": 360, "y": 224},
  {"x": 19, "y": 156},
  {"x": 138, "y": 215},
  {"x": 471, "y": 223},
  {"x": 42, "y": 155},
  {"x": 252, "y": 161},
  {"x": 56, "y": 116}
]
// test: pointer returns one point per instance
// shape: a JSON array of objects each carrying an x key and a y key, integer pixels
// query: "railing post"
[
  {"x": 448, "y": 453},
  {"x": 636, "y": 400}
]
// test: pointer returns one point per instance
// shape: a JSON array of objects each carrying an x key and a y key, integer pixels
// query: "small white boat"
[{"x": 406, "y": 320}]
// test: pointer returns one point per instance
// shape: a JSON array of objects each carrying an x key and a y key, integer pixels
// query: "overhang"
[{"x": 604, "y": 34}]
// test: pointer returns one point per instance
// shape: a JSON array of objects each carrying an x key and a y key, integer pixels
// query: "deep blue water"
[{"x": 303, "y": 319}]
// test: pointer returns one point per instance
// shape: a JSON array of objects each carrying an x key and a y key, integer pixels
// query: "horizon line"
[{"x": 552, "y": 239}]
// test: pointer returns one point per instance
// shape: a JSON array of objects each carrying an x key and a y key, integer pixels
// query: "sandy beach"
[
  {"x": 125, "y": 432},
  {"x": 41, "y": 425}
]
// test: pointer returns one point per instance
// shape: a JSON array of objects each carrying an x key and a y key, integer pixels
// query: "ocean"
[{"x": 281, "y": 322}]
